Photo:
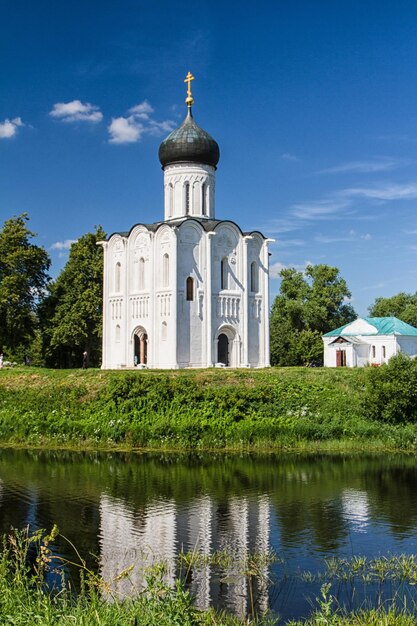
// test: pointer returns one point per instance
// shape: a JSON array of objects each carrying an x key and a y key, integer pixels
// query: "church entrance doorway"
[
  {"x": 140, "y": 356},
  {"x": 223, "y": 349}
]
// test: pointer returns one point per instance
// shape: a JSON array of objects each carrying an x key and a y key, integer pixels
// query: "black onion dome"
[{"x": 189, "y": 143}]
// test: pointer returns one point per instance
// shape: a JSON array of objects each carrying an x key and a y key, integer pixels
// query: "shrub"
[{"x": 391, "y": 391}]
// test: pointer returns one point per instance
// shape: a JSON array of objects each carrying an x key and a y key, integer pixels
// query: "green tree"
[
  {"x": 309, "y": 304},
  {"x": 403, "y": 305},
  {"x": 23, "y": 280},
  {"x": 391, "y": 391},
  {"x": 71, "y": 316}
]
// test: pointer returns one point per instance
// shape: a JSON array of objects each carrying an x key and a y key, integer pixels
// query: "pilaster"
[
  {"x": 209, "y": 298},
  {"x": 265, "y": 307},
  {"x": 245, "y": 337}
]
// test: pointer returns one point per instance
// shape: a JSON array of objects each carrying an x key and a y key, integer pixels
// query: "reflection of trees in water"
[
  {"x": 393, "y": 492},
  {"x": 307, "y": 494}
]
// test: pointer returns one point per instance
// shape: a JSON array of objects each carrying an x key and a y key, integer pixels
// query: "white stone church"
[{"x": 191, "y": 290}]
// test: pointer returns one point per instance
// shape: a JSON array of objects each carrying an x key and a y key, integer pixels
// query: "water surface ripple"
[{"x": 139, "y": 509}]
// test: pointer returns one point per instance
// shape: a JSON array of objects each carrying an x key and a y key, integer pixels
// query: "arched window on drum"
[{"x": 187, "y": 198}]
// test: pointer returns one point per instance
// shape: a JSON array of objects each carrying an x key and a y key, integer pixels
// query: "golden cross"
[{"x": 189, "y": 99}]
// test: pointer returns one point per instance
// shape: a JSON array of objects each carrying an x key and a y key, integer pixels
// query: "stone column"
[
  {"x": 265, "y": 303},
  {"x": 174, "y": 313},
  {"x": 245, "y": 307},
  {"x": 209, "y": 298},
  {"x": 153, "y": 303},
  {"x": 127, "y": 359}
]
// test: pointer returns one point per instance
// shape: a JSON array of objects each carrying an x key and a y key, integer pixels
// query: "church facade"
[{"x": 191, "y": 290}]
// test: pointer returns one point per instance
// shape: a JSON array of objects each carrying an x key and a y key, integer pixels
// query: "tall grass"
[
  {"x": 26, "y": 563},
  {"x": 34, "y": 590},
  {"x": 281, "y": 408}
]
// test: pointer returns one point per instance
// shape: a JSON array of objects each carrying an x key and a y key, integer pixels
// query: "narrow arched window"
[
  {"x": 170, "y": 199},
  {"x": 187, "y": 198},
  {"x": 203, "y": 199},
  {"x": 165, "y": 270},
  {"x": 190, "y": 289},
  {"x": 384, "y": 352},
  {"x": 117, "y": 273},
  {"x": 164, "y": 331},
  {"x": 373, "y": 352},
  {"x": 254, "y": 276},
  {"x": 224, "y": 273},
  {"x": 141, "y": 276},
  {"x": 117, "y": 333}
]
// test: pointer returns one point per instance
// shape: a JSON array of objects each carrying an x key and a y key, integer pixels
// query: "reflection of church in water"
[
  {"x": 191, "y": 290},
  {"x": 240, "y": 527}
]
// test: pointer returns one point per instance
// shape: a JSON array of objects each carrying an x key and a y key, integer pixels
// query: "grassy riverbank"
[
  {"x": 278, "y": 408},
  {"x": 35, "y": 589}
]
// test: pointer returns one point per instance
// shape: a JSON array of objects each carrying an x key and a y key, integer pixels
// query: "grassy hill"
[{"x": 277, "y": 408}]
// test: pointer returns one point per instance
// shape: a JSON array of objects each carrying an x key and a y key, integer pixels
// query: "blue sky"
[{"x": 313, "y": 104}]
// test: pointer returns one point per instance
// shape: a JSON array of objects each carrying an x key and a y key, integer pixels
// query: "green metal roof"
[{"x": 383, "y": 325}]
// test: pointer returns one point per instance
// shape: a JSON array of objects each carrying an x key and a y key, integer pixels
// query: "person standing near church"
[
  {"x": 1, "y": 361},
  {"x": 85, "y": 359}
]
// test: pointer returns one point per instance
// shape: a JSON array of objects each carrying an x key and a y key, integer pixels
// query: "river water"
[{"x": 138, "y": 509}]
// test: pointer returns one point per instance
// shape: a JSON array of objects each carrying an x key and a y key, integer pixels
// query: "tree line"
[
  {"x": 44, "y": 321},
  {"x": 52, "y": 322}
]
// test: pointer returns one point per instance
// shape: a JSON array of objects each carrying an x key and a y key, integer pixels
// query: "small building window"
[
  {"x": 190, "y": 289},
  {"x": 373, "y": 352},
  {"x": 224, "y": 273},
  {"x": 254, "y": 277},
  {"x": 117, "y": 274},
  {"x": 164, "y": 331},
  {"x": 117, "y": 333},
  {"x": 165, "y": 270},
  {"x": 187, "y": 198},
  {"x": 384, "y": 352}
]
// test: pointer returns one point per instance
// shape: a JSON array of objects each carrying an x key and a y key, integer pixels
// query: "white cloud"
[
  {"x": 337, "y": 203},
  {"x": 8, "y": 128},
  {"x": 142, "y": 110},
  {"x": 391, "y": 191},
  {"x": 351, "y": 236},
  {"x": 278, "y": 226},
  {"x": 76, "y": 111},
  {"x": 63, "y": 245},
  {"x": 377, "y": 165},
  {"x": 320, "y": 209},
  {"x": 158, "y": 128},
  {"x": 330, "y": 239},
  {"x": 289, "y": 243},
  {"x": 276, "y": 268},
  {"x": 131, "y": 128},
  {"x": 125, "y": 130},
  {"x": 286, "y": 156}
]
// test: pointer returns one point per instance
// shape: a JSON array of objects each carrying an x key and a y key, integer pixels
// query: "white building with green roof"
[{"x": 369, "y": 341}]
